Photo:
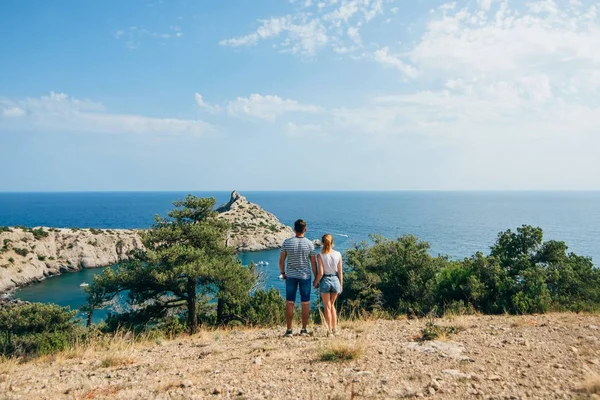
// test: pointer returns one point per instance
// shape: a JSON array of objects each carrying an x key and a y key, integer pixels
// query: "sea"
[{"x": 456, "y": 224}]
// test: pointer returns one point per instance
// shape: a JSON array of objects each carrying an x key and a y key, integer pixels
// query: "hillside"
[{"x": 492, "y": 357}]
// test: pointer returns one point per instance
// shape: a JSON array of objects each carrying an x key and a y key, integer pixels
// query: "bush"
[
  {"x": 396, "y": 276},
  {"x": 96, "y": 231},
  {"x": 36, "y": 329},
  {"x": 265, "y": 308},
  {"x": 11, "y": 260},
  {"x": 5, "y": 229},
  {"x": 39, "y": 233},
  {"x": 522, "y": 275},
  {"x": 41, "y": 258},
  {"x": 21, "y": 252}
]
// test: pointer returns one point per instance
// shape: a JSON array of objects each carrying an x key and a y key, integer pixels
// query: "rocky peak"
[
  {"x": 234, "y": 202},
  {"x": 252, "y": 227}
]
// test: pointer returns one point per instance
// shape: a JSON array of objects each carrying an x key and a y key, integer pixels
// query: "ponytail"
[{"x": 327, "y": 241}]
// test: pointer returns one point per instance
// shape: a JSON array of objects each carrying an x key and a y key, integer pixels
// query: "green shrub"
[
  {"x": 96, "y": 231},
  {"x": 11, "y": 260},
  {"x": 21, "y": 252},
  {"x": 391, "y": 275},
  {"x": 39, "y": 233},
  {"x": 5, "y": 229},
  {"x": 35, "y": 329},
  {"x": 41, "y": 258}
]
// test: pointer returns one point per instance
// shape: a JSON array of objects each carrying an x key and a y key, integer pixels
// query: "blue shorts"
[
  {"x": 330, "y": 284},
  {"x": 291, "y": 286}
]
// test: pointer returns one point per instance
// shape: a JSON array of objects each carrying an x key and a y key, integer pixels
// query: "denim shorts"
[
  {"x": 330, "y": 284},
  {"x": 291, "y": 286}
]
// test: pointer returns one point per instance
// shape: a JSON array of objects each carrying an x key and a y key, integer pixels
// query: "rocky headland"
[
  {"x": 32, "y": 254},
  {"x": 252, "y": 228},
  {"x": 29, "y": 255}
]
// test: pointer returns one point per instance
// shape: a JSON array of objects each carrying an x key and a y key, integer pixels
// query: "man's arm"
[
  {"x": 282, "y": 257},
  {"x": 313, "y": 263}
]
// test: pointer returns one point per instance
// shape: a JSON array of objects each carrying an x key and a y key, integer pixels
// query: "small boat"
[
  {"x": 261, "y": 263},
  {"x": 84, "y": 284}
]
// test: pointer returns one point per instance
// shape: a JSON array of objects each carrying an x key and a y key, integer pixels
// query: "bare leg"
[
  {"x": 305, "y": 314},
  {"x": 333, "y": 311},
  {"x": 289, "y": 313},
  {"x": 326, "y": 310}
]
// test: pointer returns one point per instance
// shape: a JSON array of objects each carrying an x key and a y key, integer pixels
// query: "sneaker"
[
  {"x": 288, "y": 333},
  {"x": 303, "y": 332}
]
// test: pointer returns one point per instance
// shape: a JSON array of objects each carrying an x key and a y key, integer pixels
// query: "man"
[{"x": 300, "y": 254}]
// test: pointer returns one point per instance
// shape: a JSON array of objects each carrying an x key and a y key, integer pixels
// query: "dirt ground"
[{"x": 491, "y": 357}]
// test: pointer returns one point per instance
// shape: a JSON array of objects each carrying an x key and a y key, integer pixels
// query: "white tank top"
[{"x": 330, "y": 261}]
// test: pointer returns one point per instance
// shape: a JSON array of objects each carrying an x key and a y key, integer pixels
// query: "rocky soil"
[{"x": 551, "y": 356}]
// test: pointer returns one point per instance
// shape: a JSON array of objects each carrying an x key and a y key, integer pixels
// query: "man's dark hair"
[{"x": 299, "y": 226}]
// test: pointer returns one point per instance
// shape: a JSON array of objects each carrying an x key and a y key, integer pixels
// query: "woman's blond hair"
[{"x": 327, "y": 241}]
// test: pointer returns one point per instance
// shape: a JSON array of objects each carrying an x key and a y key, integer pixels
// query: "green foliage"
[
  {"x": 36, "y": 329},
  {"x": 185, "y": 265},
  {"x": 391, "y": 275},
  {"x": 96, "y": 231},
  {"x": 522, "y": 275},
  {"x": 5, "y": 242},
  {"x": 21, "y": 252},
  {"x": 5, "y": 229},
  {"x": 261, "y": 308},
  {"x": 11, "y": 260},
  {"x": 41, "y": 258},
  {"x": 39, "y": 233}
]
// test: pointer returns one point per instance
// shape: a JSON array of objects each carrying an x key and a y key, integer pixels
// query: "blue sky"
[{"x": 299, "y": 95}]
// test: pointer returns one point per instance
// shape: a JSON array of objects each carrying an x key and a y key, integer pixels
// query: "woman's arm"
[
  {"x": 319, "y": 270},
  {"x": 340, "y": 274}
]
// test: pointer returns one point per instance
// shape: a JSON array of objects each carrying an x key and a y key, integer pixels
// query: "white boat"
[
  {"x": 262, "y": 263},
  {"x": 84, "y": 284}
]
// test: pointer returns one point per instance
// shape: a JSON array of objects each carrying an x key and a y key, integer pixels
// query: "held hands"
[{"x": 316, "y": 284}]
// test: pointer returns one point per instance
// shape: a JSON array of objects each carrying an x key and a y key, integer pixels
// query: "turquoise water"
[{"x": 455, "y": 223}]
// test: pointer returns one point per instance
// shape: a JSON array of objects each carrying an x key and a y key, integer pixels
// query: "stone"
[{"x": 186, "y": 384}]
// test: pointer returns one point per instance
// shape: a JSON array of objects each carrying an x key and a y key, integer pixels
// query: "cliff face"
[
  {"x": 29, "y": 255},
  {"x": 252, "y": 228},
  {"x": 33, "y": 254}
]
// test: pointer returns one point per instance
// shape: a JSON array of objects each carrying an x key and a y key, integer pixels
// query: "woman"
[{"x": 329, "y": 280}]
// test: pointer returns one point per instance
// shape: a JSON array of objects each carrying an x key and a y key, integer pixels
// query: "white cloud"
[
  {"x": 12, "y": 111},
  {"x": 208, "y": 107},
  {"x": 315, "y": 26},
  {"x": 384, "y": 57},
  {"x": 267, "y": 107},
  {"x": 58, "y": 112},
  {"x": 302, "y": 130},
  {"x": 133, "y": 36}
]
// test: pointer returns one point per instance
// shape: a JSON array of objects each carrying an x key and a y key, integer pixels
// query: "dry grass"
[
  {"x": 460, "y": 322},
  {"x": 339, "y": 350},
  {"x": 105, "y": 391},
  {"x": 356, "y": 325},
  {"x": 590, "y": 386},
  {"x": 8, "y": 365},
  {"x": 166, "y": 386},
  {"x": 115, "y": 361}
]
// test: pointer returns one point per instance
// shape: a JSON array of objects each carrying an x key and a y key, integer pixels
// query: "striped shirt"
[{"x": 298, "y": 251}]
